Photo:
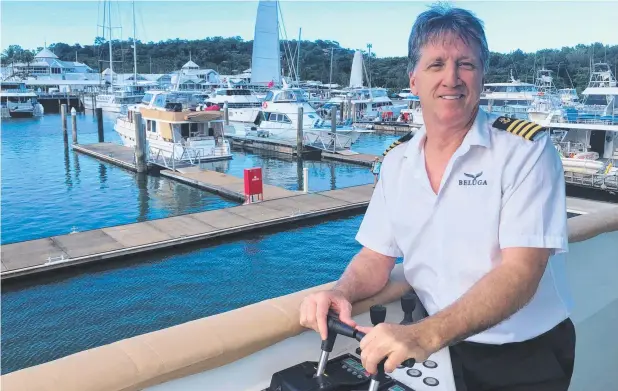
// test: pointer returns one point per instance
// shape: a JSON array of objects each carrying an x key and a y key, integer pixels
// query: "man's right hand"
[{"x": 314, "y": 309}]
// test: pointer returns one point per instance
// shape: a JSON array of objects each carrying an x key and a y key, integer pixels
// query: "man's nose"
[{"x": 451, "y": 76}]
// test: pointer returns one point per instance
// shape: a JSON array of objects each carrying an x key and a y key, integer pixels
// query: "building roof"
[
  {"x": 45, "y": 53},
  {"x": 190, "y": 65}
]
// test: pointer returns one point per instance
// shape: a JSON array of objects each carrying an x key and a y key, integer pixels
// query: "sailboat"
[
  {"x": 369, "y": 103},
  {"x": 118, "y": 97}
]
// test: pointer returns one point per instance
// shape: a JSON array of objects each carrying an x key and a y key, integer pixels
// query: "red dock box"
[{"x": 253, "y": 183}]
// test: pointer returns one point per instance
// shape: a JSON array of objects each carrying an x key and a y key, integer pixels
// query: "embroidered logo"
[{"x": 473, "y": 181}]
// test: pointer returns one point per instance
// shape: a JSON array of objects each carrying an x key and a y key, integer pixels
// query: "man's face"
[{"x": 448, "y": 79}]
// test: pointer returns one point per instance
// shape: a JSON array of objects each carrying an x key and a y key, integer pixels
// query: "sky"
[{"x": 509, "y": 25}]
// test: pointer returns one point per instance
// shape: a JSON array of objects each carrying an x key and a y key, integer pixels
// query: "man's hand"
[
  {"x": 314, "y": 309},
  {"x": 397, "y": 342}
]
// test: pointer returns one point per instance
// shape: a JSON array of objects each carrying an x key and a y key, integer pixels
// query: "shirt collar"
[{"x": 477, "y": 135}]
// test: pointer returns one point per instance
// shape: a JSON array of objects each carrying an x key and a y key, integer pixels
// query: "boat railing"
[
  {"x": 567, "y": 147},
  {"x": 189, "y": 156},
  {"x": 326, "y": 141},
  {"x": 607, "y": 182}
]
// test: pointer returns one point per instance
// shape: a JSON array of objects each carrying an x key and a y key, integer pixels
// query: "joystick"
[
  {"x": 335, "y": 326},
  {"x": 408, "y": 305},
  {"x": 377, "y": 313}
]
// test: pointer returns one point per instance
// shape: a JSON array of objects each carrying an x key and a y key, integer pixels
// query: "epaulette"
[
  {"x": 520, "y": 127},
  {"x": 401, "y": 140}
]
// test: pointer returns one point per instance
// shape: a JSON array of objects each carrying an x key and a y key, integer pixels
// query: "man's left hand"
[{"x": 396, "y": 342}]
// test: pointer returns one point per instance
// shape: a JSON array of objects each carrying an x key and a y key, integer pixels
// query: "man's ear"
[{"x": 413, "y": 87}]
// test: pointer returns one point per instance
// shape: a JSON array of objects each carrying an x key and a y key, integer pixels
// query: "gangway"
[
  {"x": 332, "y": 142},
  {"x": 179, "y": 157}
]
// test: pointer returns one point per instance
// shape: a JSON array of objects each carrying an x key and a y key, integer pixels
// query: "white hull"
[
  {"x": 287, "y": 134},
  {"x": 204, "y": 150},
  {"x": 105, "y": 106}
]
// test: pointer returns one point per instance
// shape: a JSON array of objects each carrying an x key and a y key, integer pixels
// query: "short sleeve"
[
  {"x": 534, "y": 200},
  {"x": 376, "y": 232}
]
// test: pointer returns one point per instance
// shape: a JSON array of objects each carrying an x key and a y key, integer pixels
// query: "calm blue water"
[
  {"x": 64, "y": 314},
  {"x": 48, "y": 189}
]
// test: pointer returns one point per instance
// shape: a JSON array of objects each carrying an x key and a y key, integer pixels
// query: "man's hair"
[{"x": 440, "y": 20}]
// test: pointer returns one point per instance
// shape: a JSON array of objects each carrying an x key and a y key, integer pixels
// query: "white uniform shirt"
[{"x": 498, "y": 190}]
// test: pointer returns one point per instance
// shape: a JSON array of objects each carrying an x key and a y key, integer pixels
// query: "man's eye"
[
  {"x": 435, "y": 65},
  {"x": 467, "y": 65}
]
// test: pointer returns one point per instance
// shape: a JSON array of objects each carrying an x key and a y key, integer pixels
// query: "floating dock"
[
  {"x": 395, "y": 127},
  {"x": 109, "y": 152},
  {"x": 224, "y": 185},
  {"x": 358, "y": 158},
  {"x": 269, "y": 144},
  {"x": 41, "y": 255}
]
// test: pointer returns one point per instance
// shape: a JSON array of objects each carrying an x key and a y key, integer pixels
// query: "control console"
[{"x": 346, "y": 373}]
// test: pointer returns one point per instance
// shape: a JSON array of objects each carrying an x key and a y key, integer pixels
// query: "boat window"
[
  {"x": 238, "y": 92},
  {"x": 160, "y": 101},
  {"x": 594, "y": 100},
  {"x": 147, "y": 98},
  {"x": 284, "y": 118},
  {"x": 285, "y": 96}
]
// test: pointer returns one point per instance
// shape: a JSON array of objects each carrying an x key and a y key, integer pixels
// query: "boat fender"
[{"x": 526, "y": 129}]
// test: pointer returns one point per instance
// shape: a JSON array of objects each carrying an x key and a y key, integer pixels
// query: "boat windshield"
[{"x": 291, "y": 95}]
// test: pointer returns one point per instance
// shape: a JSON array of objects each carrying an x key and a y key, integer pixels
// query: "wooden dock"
[
  {"x": 224, "y": 185},
  {"x": 41, "y": 255},
  {"x": 271, "y": 144},
  {"x": 110, "y": 152},
  {"x": 359, "y": 158}
]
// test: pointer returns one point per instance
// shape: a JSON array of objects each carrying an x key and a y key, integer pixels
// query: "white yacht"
[
  {"x": 174, "y": 133},
  {"x": 18, "y": 101},
  {"x": 369, "y": 103},
  {"x": 513, "y": 98},
  {"x": 115, "y": 101},
  {"x": 243, "y": 105},
  {"x": 587, "y": 135},
  {"x": 278, "y": 117}
]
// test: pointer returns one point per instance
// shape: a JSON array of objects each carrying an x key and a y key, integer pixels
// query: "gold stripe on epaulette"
[
  {"x": 532, "y": 132},
  {"x": 526, "y": 128},
  {"x": 518, "y": 127},
  {"x": 513, "y": 125}
]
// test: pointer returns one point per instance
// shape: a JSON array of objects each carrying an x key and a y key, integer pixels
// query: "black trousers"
[{"x": 544, "y": 363}]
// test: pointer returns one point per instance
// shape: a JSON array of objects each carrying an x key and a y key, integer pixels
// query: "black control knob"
[
  {"x": 377, "y": 313},
  {"x": 408, "y": 305}
]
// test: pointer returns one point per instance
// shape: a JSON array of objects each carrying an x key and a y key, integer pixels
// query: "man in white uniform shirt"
[{"x": 476, "y": 207}]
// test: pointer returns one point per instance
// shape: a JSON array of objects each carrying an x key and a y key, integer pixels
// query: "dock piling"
[
  {"x": 305, "y": 180},
  {"x": 226, "y": 113},
  {"x": 63, "y": 118},
  {"x": 99, "y": 114},
  {"x": 74, "y": 124},
  {"x": 140, "y": 143},
  {"x": 299, "y": 132}
]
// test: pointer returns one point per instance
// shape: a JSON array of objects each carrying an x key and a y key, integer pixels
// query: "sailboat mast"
[
  {"x": 109, "y": 20},
  {"x": 134, "y": 49},
  {"x": 298, "y": 59}
]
